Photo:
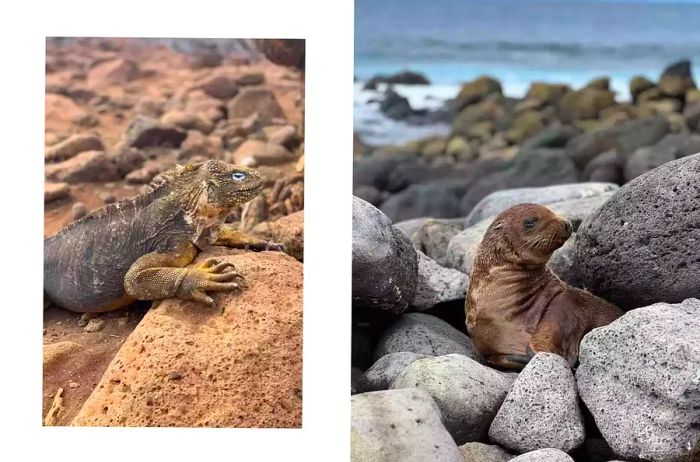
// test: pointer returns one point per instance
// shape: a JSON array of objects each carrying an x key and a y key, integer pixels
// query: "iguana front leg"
[
  {"x": 159, "y": 275},
  {"x": 231, "y": 237}
]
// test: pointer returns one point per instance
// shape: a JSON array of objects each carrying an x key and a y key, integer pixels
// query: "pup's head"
[{"x": 527, "y": 233}]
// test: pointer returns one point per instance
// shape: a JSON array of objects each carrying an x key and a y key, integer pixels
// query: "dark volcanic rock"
[
  {"x": 536, "y": 167},
  {"x": 641, "y": 246},
  {"x": 439, "y": 199},
  {"x": 625, "y": 138},
  {"x": 556, "y": 136},
  {"x": 144, "y": 132},
  {"x": 670, "y": 148},
  {"x": 676, "y": 79},
  {"x": 384, "y": 263},
  {"x": 405, "y": 78},
  {"x": 395, "y": 106},
  {"x": 606, "y": 167},
  {"x": 639, "y": 378},
  {"x": 475, "y": 91}
]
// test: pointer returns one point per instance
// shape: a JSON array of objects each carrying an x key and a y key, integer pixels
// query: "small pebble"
[
  {"x": 73, "y": 384},
  {"x": 175, "y": 375},
  {"x": 79, "y": 210},
  {"x": 84, "y": 319},
  {"x": 121, "y": 322},
  {"x": 108, "y": 198},
  {"x": 95, "y": 325}
]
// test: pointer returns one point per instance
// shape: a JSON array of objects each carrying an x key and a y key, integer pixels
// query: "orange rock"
[
  {"x": 186, "y": 365},
  {"x": 288, "y": 230},
  {"x": 112, "y": 72}
]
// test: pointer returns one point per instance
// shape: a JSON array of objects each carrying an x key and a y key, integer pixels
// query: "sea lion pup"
[{"x": 516, "y": 306}]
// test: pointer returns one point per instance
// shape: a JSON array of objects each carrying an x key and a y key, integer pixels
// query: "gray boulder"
[
  {"x": 438, "y": 198},
  {"x": 384, "y": 263},
  {"x": 436, "y": 284},
  {"x": 639, "y": 377},
  {"x": 544, "y": 455},
  {"x": 541, "y": 409},
  {"x": 480, "y": 452},
  {"x": 424, "y": 334},
  {"x": 433, "y": 236},
  {"x": 398, "y": 425},
  {"x": 383, "y": 372},
  {"x": 496, "y": 202},
  {"x": 641, "y": 246},
  {"x": 468, "y": 393},
  {"x": 670, "y": 148},
  {"x": 409, "y": 227}
]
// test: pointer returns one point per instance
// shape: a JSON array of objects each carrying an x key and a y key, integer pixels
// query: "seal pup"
[{"x": 516, "y": 306}]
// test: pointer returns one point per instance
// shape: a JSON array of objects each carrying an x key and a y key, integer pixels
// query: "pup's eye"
[
  {"x": 530, "y": 223},
  {"x": 239, "y": 176}
]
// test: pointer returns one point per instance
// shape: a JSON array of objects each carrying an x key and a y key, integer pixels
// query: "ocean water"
[{"x": 516, "y": 41}]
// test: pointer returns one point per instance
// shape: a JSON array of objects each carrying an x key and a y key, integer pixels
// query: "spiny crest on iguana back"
[{"x": 223, "y": 185}]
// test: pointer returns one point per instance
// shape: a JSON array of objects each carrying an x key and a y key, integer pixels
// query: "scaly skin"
[{"x": 137, "y": 249}]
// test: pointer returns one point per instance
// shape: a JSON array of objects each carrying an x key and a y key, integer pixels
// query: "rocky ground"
[
  {"x": 627, "y": 175},
  {"x": 120, "y": 112}
]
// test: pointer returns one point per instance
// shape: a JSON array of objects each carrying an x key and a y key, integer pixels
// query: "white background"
[{"x": 327, "y": 27}]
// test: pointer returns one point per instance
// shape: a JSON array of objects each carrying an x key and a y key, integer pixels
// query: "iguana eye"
[
  {"x": 530, "y": 223},
  {"x": 239, "y": 176}
]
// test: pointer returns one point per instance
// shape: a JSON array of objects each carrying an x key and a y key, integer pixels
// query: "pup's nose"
[{"x": 568, "y": 227}]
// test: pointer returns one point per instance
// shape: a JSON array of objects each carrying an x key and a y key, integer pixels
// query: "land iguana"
[{"x": 137, "y": 249}]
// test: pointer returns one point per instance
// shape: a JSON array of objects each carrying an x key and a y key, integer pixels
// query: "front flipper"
[
  {"x": 159, "y": 275},
  {"x": 231, "y": 237}
]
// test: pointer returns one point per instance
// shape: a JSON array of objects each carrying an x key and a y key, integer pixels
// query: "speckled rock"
[
  {"x": 87, "y": 166},
  {"x": 383, "y": 372},
  {"x": 496, "y": 202},
  {"x": 468, "y": 393},
  {"x": 639, "y": 378},
  {"x": 384, "y": 263},
  {"x": 112, "y": 72},
  {"x": 544, "y": 455},
  {"x": 253, "y": 153},
  {"x": 641, "y": 247},
  {"x": 424, "y": 334},
  {"x": 436, "y": 284},
  {"x": 144, "y": 132},
  {"x": 399, "y": 425},
  {"x": 541, "y": 409},
  {"x": 480, "y": 452},
  {"x": 186, "y": 365}
]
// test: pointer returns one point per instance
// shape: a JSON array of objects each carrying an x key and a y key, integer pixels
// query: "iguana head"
[{"x": 229, "y": 185}]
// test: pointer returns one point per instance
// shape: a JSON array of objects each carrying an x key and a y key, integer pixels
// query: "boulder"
[
  {"x": 541, "y": 409},
  {"x": 383, "y": 372},
  {"x": 475, "y": 91},
  {"x": 251, "y": 78},
  {"x": 437, "y": 284},
  {"x": 554, "y": 136},
  {"x": 468, "y": 393},
  {"x": 283, "y": 135},
  {"x": 144, "y": 132},
  {"x": 73, "y": 146},
  {"x": 606, "y": 167},
  {"x": 117, "y": 71},
  {"x": 525, "y": 125},
  {"x": 402, "y": 78},
  {"x": 639, "y": 378},
  {"x": 219, "y": 86},
  {"x": 544, "y": 455},
  {"x": 638, "y": 85},
  {"x": 530, "y": 168},
  {"x": 255, "y": 99},
  {"x": 187, "y": 365},
  {"x": 625, "y": 138},
  {"x": 640, "y": 247},
  {"x": 384, "y": 263},
  {"x": 433, "y": 236},
  {"x": 671, "y": 147},
  {"x": 480, "y": 452},
  {"x": 438, "y": 198},
  {"x": 288, "y": 231},
  {"x": 496, "y": 202},
  {"x": 691, "y": 116},
  {"x": 546, "y": 93},
  {"x": 399, "y": 425},
  {"x": 677, "y": 79},
  {"x": 187, "y": 121},
  {"x": 55, "y": 191},
  {"x": 424, "y": 334},
  {"x": 586, "y": 103},
  {"x": 88, "y": 166},
  {"x": 253, "y": 153},
  {"x": 395, "y": 106}
]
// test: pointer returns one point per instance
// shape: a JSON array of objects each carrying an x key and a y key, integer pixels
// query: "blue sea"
[{"x": 516, "y": 41}]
